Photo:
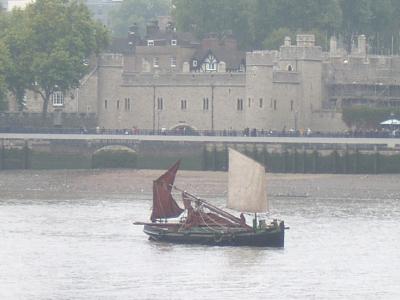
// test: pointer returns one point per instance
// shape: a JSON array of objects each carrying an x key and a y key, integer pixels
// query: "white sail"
[{"x": 247, "y": 184}]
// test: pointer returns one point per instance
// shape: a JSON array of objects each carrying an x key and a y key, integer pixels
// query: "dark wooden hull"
[{"x": 265, "y": 237}]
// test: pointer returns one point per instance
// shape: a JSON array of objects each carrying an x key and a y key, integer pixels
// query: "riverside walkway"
[{"x": 383, "y": 142}]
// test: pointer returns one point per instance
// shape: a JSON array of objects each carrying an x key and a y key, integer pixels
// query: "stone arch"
[{"x": 184, "y": 129}]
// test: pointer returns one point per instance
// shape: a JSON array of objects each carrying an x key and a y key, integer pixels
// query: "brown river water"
[{"x": 68, "y": 234}]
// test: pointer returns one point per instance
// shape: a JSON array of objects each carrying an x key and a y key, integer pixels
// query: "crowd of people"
[{"x": 383, "y": 132}]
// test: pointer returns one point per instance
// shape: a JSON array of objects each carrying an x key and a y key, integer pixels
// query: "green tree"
[
  {"x": 357, "y": 16},
  {"x": 276, "y": 37},
  {"x": 136, "y": 11},
  {"x": 364, "y": 117},
  {"x": 62, "y": 36},
  {"x": 219, "y": 16},
  {"x": 4, "y": 62},
  {"x": 15, "y": 35}
]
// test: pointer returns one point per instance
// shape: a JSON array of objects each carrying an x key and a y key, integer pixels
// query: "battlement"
[
  {"x": 286, "y": 77},
  {"x": 111, "y": 60},
  {"x": 261, "y": 58},
  {"x": 305, "y": 40},
  {"x": 373, "y": 69},
  {"x": 183, "y": 79},
  {"x": 301, "y": 53}
]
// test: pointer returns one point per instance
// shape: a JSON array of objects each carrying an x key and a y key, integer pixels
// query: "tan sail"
[{"x": 247, "y": 184}]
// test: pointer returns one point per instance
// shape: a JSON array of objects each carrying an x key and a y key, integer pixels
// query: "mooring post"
[
  {"x": 26, "y": 154},
  {"x": 2, "y": 156},
  {"x": 265, "y": 158},
  {"x": 357, "y": 161},
  {"x": 314, "y": 161},
  {"x": 285, "y": 160},
  {"x": 335, "y": 161},
  {"x": 226, "y": 157},
  {"x": 346, "y": 160},
  {"x": 204, "y": 161},
  {"x": 294, "y": 166},
  {"x": 215, "y": 162},
  {"x": 376, "y": 160}
]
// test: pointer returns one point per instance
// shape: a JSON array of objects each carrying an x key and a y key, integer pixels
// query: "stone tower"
[
  {"x": 304, "y": 58},
  {"x": 258, "y": 91}
]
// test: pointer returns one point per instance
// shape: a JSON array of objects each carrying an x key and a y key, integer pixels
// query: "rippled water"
[{"x": 87, "y": 248}]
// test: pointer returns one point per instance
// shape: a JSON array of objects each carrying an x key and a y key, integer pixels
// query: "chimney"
[
  {"x": 210, "y": 42},
  {"x": 152, "y": 28},
  {"x": 362, "y": 45},
  {"x": 133, "y": 37},
  {"x": 333, "y": 45},
  {"x": 288, "y": 41},
  {"x": 229, "y": 40},
  {"x": 305, "y": 40}
]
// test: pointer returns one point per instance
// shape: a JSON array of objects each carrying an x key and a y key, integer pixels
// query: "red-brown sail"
[{"x": 164, "y": 205}]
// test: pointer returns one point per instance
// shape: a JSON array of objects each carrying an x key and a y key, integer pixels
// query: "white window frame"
[
  {"x": 173, "y": 61},
  {"x": 156, "y": 62},
  {"x": 150, "y": 43},
  {"x": 174, "y": 42},
  {"x": 57, "y": 98},
  {"x": 210, "y": 63},
  {"x": 194, "y": 63}
]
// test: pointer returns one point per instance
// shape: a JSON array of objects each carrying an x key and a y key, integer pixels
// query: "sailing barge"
[{"x": 200, "y": 222}]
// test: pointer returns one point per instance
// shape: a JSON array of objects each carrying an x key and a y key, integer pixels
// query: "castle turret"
[
  {"x": 305, "y": 58},
  {"x": 259, "y": 77}
]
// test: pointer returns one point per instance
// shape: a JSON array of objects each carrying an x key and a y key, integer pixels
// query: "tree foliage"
[
  {"x": 49, "y": 43},
  {"x": 136, "y": 11},
  {"x": 364, "y": 117},
  {"x": 17, "y": 71},
  {"x": 257, "y": 23},
  {"x": 4, "y": 61}
]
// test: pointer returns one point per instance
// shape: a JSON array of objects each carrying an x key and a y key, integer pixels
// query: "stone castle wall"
[{"x": 290, "y": 88}]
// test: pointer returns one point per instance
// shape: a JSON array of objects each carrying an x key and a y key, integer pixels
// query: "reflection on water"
[{"x": 87, "y": 248}]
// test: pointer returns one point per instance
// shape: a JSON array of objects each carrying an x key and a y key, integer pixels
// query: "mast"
[{"x": 212, "y": 207}]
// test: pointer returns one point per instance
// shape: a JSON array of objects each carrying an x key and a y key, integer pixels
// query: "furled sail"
[
  {"x": 247, "y": 184},
  {"x": 164, "y": 205}
]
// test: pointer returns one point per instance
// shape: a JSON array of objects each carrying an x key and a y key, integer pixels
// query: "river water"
[{"x": 69, "y": 235}]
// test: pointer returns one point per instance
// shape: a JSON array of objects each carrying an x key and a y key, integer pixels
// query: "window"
[
  {"x": 194, "y": 64},
  {"x": 205, "y": 103},
  {"x": 160, "y": 103},
  {"x": 291, "y": 105},
  {"x": 274, "y": 104},
  {"x": 239, "y": 104},
  {"x": 173, "y": 61},
  {"x": 117, "y": 104},
  {"x": 183, "y": 104},
  {"x": 57, "y": 98},
  {"x": 260, "y": 103},
  {"x": 249, "y": 102},
  {"x": 210, "y": 63},
  {"x": 156, "y": 62},
  {"x": 150, "y": 43},
  {"x": 174, "y": 42},
  {"x": 127, "y": 104},
  {"x": 105, "y": 104}
]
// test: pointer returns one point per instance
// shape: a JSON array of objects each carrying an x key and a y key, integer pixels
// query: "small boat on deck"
[{"x": 200, "y": 222}]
